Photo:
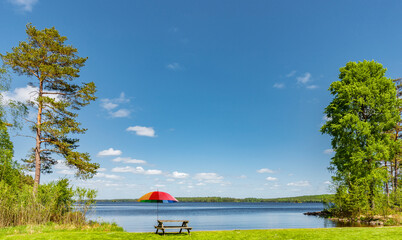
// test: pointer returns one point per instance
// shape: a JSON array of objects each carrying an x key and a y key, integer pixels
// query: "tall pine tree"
[{"x": 54, "y": 65}]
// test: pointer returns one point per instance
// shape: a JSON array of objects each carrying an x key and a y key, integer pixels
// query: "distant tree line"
[{"x": 300, "y": 199}]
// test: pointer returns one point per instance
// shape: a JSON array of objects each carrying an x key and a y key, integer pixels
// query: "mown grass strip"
[{"x": 391, "y": 233}]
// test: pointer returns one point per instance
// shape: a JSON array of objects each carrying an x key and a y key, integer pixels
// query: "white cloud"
[
  {"x": 153, "y": 172},
  {"x": 109, "y": 152},
  {"x": 24, "y": 94},
  {"x": 312, "y": 87},
  {"x": 112, "y": 185},
  {"x": 208, "y": 177},
  {"x": 142, "y": 131},
  {"x": 63, "y": 168},
  {"x": 325, "y": 118},
  {"x": 291, "y": 74},
  {"x": 279, "y": 85},
  {"x": 327, "y": 182},
  {"x": 265, "y": 170},
  {"x": 243, "y": 177},
  {"x": 328, "y": 151},
  {"x": 299, "y": 184},
  {"x": 128, "y": 169},
  {"x": 111, "y": 104},
  {"x": 26, "y": 5},
  {"x": 122, "y": 98},
  {"x": 200, "y": 184},
  {"x": 304, "y": 79},
  {"x": 93, "y": 183},
  {"x": 129, "y": 160},
  {"x": 170, "y": 180},
  {"x": 66, "y": 172},
  {"x": 61, "y": 165},
  {"x": 176, "y": 174},
  {"x": 136, "y": 170},
  {"x": 120, "y": 113},
  {"x": 159, "y": 185},
  {"x": 108, "y": 105},
  {"x": 271, "y": 179},
  {"x": 174, "y": 66},
  {"x": 109, "y": 176},
  {"x": 101, "y": 169}
]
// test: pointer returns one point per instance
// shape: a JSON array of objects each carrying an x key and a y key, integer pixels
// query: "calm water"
[{"x": 141, "y": 217}]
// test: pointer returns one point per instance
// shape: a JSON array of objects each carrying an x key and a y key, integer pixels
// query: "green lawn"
[{"x": 55, "y": 232}]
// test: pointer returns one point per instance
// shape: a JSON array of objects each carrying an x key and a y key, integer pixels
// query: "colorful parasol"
[{"x": 158, "y": 197}]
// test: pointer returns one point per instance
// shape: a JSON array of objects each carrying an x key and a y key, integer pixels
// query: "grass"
[{"x": 107, "y": 231}]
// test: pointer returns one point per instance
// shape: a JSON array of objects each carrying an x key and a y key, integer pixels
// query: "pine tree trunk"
[
  {"x": 386, "y": 183},
  {"x": 396, "y": 167},
  {"x": 38, "y": 142},
  {"x": 391, "y": 171}
]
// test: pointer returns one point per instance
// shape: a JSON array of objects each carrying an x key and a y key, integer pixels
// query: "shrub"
[{"x": 53, "y": 203}]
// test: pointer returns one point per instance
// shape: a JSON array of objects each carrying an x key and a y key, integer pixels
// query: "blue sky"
[{"x": 208, "y": 98}]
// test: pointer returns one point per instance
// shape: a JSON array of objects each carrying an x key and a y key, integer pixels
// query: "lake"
[{"x": 141, "y": 217}]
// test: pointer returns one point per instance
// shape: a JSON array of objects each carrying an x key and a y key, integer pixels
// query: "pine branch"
[
  {"x": 59, "y": 93},
  {"x": 21, "y": 135},
  {"x": 29, "y": 121}
]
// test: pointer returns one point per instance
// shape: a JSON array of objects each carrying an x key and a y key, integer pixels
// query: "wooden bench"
[{"x": 162, "y": 227}]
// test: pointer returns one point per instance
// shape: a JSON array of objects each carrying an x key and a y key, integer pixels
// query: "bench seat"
[{"x": 171, "y": 227}]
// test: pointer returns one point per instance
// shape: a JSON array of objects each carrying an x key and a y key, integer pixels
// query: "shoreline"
[
  {"x": 390, "y": 220},
  {"x": 298, "y": 199}
]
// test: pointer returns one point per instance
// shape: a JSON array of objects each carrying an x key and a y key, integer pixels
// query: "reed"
[{"x": 55, "y": 202}]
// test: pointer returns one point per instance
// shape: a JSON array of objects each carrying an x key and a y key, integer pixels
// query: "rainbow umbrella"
[{"x": 158, "y": 197}]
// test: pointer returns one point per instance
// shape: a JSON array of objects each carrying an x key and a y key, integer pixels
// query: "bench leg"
[
  {"x": 180, "y": 230},
  {"x": 163, "y": 231},
  {"x": 188, "y": 230},
  {"x": 156, "y": 231}
]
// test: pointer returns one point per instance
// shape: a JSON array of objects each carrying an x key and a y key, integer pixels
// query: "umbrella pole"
[{"x": 157, "y": 216}]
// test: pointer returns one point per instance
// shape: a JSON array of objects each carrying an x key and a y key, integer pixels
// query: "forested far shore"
[{"x": 299, "y": 199}]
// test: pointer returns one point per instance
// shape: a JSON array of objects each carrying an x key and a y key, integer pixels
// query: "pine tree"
[{"x": 54, "y": 65}]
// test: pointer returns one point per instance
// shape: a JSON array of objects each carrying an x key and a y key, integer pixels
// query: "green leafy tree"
[
  {"x": 10, "y": 171},
  {"x": 6, "y": 146},
  {"x": 363, "y": 109},
  {"x": 54, "y": 66},
  {"x": 396, "y": 134}
]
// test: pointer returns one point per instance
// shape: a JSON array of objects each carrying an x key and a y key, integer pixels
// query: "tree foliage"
[
  {"x": 54, "y": 66},
  {"x": 9, "y": 169},
  {"x": 362, "y": 113}
]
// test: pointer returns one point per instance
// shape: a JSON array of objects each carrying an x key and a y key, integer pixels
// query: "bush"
[{"x": 53, "y": 203}]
